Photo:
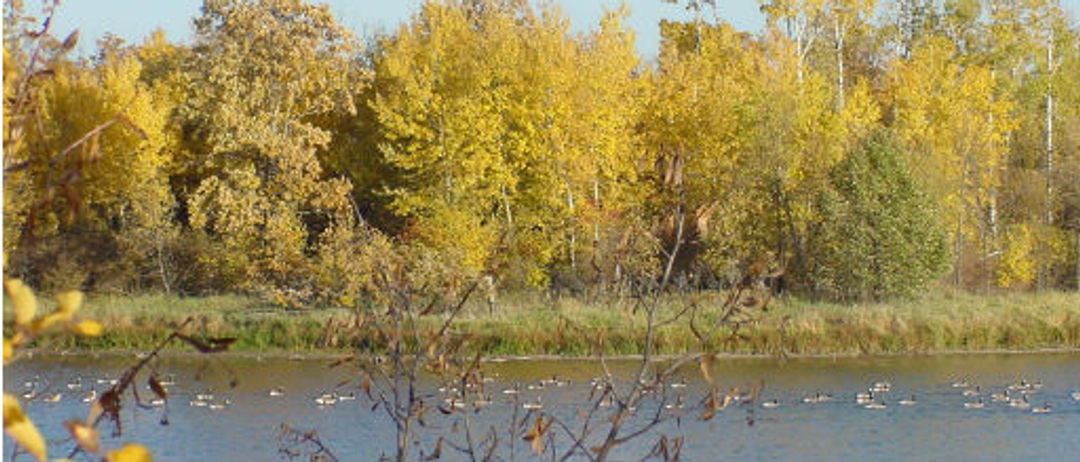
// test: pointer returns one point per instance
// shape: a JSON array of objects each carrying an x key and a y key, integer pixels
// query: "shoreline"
[{"x": 334, "y": 355}]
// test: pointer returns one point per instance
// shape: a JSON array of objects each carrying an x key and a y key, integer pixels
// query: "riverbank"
[{"x": 528, "y": 324}]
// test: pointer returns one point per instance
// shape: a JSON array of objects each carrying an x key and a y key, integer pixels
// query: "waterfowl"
[
  {"x": 533, "y": 405},
  {"x": 816, "y": 398},
  {"x": 973, "y": 391},
  {"x": 908, "y": 402},
  {"x": 106, "y": 381},
  {"x": 1076, "y": 396},
  {"x": 219, "y": 406},
  {"x": 349, "y": 397},
  {"x": 277, "y": 391},
  {"x": 881, "y": 387},
  {"x": 53, "y": 398},
  {"x": 680, "y": 384},
  {"x": 326, "y": 399},
  {"x": 1020, "y": 403},
  {"x": 28, "y": 394},
  {"x": 864, "y": 397},
  {"x": 90, "y": 396},
  {"x": 168, "y": 380},
  {"x": 876, "y": 405},
  {"x": 157, "y": 402},
  {"x": 771, "y": 404},
  {"x": 205, "y": 396},
  {"x": 1044, "y": 409},
  {"x": 197, "y": 403},
  {"x": 511, "y": 391},
  {"x": 75, "y": 384},
  {"x": 1001, "y": 397},
  {"x": 976, "y": 405},
  {"x": 962, "y": 383}
]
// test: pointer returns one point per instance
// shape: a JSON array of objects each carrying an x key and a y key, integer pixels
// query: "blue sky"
[{"x": 134, "y": 19}]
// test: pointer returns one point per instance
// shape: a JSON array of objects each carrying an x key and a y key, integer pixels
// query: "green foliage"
[{"x": 879, "y": 236}]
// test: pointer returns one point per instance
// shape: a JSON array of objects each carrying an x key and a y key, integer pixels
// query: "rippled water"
[{"x": 939, "y": 427}]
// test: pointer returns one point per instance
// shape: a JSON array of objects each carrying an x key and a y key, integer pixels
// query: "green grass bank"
[{"x": 530, "y": 324}]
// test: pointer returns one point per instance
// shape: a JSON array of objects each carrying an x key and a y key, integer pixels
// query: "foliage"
[{"x": 880, "y": 237}]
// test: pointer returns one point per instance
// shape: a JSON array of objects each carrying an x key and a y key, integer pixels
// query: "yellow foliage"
[
  {"x": 129, "y": 453},
  {"x": 1017, "y": 262},
  {"x": 87, "y": 328},
  {"x": 23, "y": 300},
  {"x": 21, "y": 429}
]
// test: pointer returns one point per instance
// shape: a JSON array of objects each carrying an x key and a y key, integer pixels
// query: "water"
[{"x": 939, "y": 427}]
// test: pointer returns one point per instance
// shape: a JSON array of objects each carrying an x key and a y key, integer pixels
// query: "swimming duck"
[
  {"x": 1020, "y": 403},
  {"x": 680, "y": 384},
  {"x": 881, "y": 387},
  {"x": 976, "y": 405},
  {"x": 1076, "y": 396},
  {"x": 864, "y": 397},
  {"x": 973, "y": 391},
  {"x": 75, "y": 384},
  {"x": 90, "y": 396},
  {"x": 962, "y": 383},
  {"x": 207, "y": 395},
  {"x": 157, "y": 402},
  {"x": 533, "y": 405},
  {"x": 817, "y": 398},
  {"x": 771, "y": 404},
  {"x": 53, "y": 398},
  {"x": 326, "y": 399},
  {"x": 219, "y": 406},
  {"x": 908, "y": 402},
  {"x": 349, "y": 397},
  {"x": 876, "y": 405},
  {"x": 277, "y": 391},
  {"x": 1044, "y": 409},
  {"x": 1001, "y": 397},
  {"x": 197, "y": 403}
]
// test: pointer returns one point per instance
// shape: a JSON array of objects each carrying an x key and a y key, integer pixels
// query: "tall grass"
[{"x": 529, "y": 323}]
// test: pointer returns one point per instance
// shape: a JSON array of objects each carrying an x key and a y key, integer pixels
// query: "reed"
[{"x": 529, "y": 323}]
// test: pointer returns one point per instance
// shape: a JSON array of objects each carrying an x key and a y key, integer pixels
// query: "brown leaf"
[
  {"x": 69, "y": 42},
  {"x": 85, "y": 436},
  {"x": 705, "y": 364},
  {"x": 365, "y": 383},
  {"x": 156, "y": 387},
  {"x": 437, "y": 453}
]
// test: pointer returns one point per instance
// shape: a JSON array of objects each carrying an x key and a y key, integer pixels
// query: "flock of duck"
[{"x": 1018, "y": 395}]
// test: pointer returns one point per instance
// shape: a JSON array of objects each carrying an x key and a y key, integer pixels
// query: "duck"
[
  {"x": 538, "y": 404},
  {"x": 157, "y": 402},
  {"x": 168, "y": 381},
  {"x": 197, "y": 403},
  {"x": 349, "y": 397},
  {"x": 107, "y": 381},
  {"x": 962, "y": 383},
  {"x": 1076, "y": 395},
  {"x": 771, "y": 404},
  {"x": 207, "y": 395},
  {"x": 973, "y": 391},
  {"x": 1020, "y": 403},
  {"x": 326, "y": 399},
  {"x": 277, "y": 391},
  {"x": 881, "y": 387},
  {"x": 53, "y": 398},
  {"x": 219, "y": 406},
  {"x": 90, "y": 396},
  {"x": 908, "y": 402},
  {"x": 864, "y": 397},
  {"x": 817, "y": 398},
  {"x": 1001, "y": 397},
  {"x": 680, "y": 384},
  {"x": 1044, "y": 409},
  {"x": 976, "y": 405},
  {"x": 75, "y": 384},
  {"x": 876, "y": 405}
]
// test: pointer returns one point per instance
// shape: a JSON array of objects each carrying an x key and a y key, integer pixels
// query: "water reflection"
[{"x": 239, "y": 422}]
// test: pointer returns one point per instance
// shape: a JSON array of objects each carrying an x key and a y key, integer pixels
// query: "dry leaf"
[
  {"x": 87, "y": 328},
  {"x": 85, "y": 435},
  {"x": 23, "y": 300},
  {"x": 129, "y": 453},
  {"x": 21, "y": 429}
]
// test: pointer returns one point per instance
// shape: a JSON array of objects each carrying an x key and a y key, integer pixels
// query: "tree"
[
  {"x": 880, "y": 234},
  {"x": 260, "y": 73}
]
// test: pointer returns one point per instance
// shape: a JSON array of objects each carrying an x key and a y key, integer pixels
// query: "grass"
[{"x": 530, "y": 324}]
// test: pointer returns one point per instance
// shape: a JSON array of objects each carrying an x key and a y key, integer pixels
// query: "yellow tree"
[
  {"x": 260, "y": 73},
  {"x": 954, "y": 126}
]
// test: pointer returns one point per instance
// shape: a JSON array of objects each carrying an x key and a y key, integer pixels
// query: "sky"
[{"x": 133, "y": 20}]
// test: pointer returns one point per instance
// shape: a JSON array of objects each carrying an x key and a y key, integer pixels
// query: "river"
[{"x": 938, "y": 427}]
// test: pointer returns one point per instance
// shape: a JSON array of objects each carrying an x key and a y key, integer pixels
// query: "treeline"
[{"x": 866, "y": 150}]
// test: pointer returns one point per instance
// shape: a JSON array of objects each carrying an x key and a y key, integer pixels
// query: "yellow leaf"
[
  {"x": 47, "y": 321},
  {"x": 23, "y": 300},
  {"x": 8, "y": 351},
  {"x": 87, "y": 328},
  {"x": 21, "y": 429},
  {"x": 129, "y": 453},
  {"x": 69, "y": 302},
  {"x": 85, "y": 435}
]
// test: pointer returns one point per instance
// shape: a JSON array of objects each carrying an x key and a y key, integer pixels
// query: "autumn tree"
[{"x": 260, "y": 72}]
